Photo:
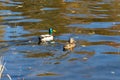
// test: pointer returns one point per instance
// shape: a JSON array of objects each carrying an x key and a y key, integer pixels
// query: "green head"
[{"x": 51, "y": 31}]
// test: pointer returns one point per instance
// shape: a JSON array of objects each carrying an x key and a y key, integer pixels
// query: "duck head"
[
  {"x": 71, "y": 40},
  {"x": 51, "y": 31}
]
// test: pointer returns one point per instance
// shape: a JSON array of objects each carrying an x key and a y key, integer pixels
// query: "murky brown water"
[{"x": 94, "y": 24}]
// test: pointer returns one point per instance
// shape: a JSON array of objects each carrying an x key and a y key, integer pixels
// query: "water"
[{"x": 93, "y": 24}]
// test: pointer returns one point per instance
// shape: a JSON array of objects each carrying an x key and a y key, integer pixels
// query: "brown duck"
[{"x": 70, "y": 45}]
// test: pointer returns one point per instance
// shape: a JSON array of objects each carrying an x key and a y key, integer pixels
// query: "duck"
[
  {"x": 47, "y": 37},
  {"x": 70, "y": 45}
]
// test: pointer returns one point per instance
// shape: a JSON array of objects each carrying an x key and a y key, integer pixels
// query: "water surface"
[{"x": 95, "y": 25}]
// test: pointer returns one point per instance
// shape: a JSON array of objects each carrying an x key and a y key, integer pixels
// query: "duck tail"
[
  {"x": 39, "y": 40},
  {"x": 64, "y": 49}
]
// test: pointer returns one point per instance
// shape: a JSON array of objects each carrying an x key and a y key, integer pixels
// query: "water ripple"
[
  {"x": 24, "y": 20},
  {"x": 95, "y": 26},
  {"x": 49, "y": 9},
  {"x": 8, "y": 12},
  {"x": 9, "y": 3}
]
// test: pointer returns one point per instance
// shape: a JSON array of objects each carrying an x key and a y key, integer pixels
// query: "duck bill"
[{"x": 54, "y": 30}]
